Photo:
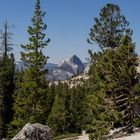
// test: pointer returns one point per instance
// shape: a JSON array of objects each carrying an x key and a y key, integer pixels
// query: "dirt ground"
[{"x": 132, "y": 137}]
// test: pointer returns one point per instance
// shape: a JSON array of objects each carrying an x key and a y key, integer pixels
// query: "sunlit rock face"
[
  {"x": 72, "y": 65},
  {"x": 67, "y": 68}
]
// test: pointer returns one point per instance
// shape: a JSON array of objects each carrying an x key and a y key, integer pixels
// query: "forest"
[{"x": 101, "y": 103}]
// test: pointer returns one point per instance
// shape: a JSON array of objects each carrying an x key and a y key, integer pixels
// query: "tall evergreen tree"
[
  {"x": 6, "y": 45},
  {"x": 68, "y": 110},
  {"x": 50, "y": 98},
  {"x": 113, "y": 75},
  {"x": 57, "y": 117},
  {"x": 76, "y": 109},
  {"x": 7, "y": 80},
  {"x": 101, "y": 109},
  {"x": 1, "y": 105},
  {"x": 31, "y": 96}
]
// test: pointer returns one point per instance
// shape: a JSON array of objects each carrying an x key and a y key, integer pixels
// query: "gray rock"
[
  {"x": 73, "y": 65},
  {"x": 34, "y": 132}
]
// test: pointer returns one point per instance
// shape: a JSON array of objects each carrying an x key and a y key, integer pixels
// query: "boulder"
[{"x": 34, "y": 132}]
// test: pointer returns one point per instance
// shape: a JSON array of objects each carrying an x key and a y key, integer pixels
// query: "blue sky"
[{"x": 69, "y": 22}]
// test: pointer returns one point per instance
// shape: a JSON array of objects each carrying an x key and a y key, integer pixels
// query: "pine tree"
[
  {"x": 112, "y": 95},
  {"x": 109, "y": 28},
  {"x": 101, "y": 111},
  {"x": 7, "y": 80},
  {"x": 50, "y": 98},
  {"x": 125, "y": 94},
  {"x": 1, "y": 105},
  {"x": 68, "y": 110},
  {"x": 113, "y": 76},
  {"x": 76, "y": 109},
  {"x": 57, "y": 117},
  {"x": 31, "y": 96},
  {"x": 6, "y": 45}
]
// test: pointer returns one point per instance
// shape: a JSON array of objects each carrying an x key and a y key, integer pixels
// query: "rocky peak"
[{"x": 72, "y": 65}]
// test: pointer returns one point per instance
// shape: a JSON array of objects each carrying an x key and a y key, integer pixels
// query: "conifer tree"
[
  {"x": 101, "y": 109},
  {"x": 50, "y": 98},
  {"x": 113, "y": 76},
  {"x": 57, "y": 117},
  {"x": 31, "y": 96},
  {"x": 76, "y": 109},
  {"x": 1, "y": 106},
  {"x": 128, "y": 78},
  {"x": 68, "y": 110},
  {"x": 7, "y": 80},
  {"x": 109, "y": 28}
]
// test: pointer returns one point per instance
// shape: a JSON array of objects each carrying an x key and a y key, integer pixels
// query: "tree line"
[{"x": 105, "y": 101}]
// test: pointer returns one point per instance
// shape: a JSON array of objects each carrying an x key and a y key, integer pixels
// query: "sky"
[{"x": 69, "y": 23}]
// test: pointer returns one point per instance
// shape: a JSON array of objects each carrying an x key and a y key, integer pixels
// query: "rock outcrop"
[{"x": 34, "y": 132}]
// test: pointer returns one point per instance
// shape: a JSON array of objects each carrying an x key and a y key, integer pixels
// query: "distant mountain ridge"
[{"x": 67, "y": 68}]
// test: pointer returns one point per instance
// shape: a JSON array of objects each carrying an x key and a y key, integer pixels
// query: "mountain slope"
[
  {"x": 72, "y": 65},
  {"x": 67, "y": 68}
]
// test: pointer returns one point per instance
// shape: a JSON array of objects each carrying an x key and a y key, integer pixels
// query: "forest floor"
[{"x": 135, "y": 136}]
